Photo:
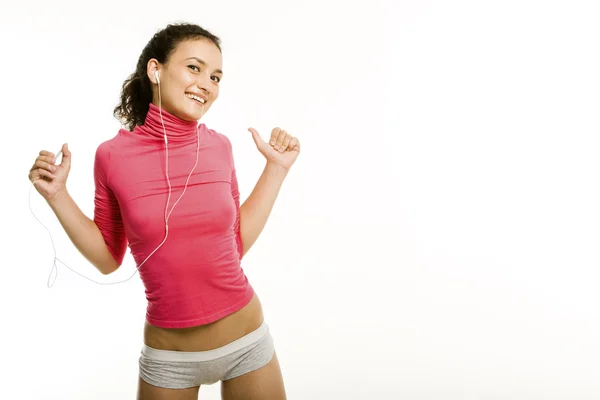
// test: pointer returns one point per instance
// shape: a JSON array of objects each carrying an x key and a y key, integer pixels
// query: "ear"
[{"x": 151, "y": 70}]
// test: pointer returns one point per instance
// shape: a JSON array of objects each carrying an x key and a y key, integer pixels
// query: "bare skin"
[
  {"x": 209, "y": 336},
  {"x": 149, "y": 392},
  {"x": 264, "y": 383}
]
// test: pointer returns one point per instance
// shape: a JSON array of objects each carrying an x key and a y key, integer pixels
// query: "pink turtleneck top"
[{"x": 195, "y": 277}]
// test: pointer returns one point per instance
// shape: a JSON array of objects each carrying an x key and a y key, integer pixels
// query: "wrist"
[
  {"x": 58, "y": 198},
  {"x": 276, "y": 168}
]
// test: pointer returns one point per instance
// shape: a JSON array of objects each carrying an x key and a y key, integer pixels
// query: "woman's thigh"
[
  {"x": 147, "y": 391},
  {"x": 265, "y": 383}
]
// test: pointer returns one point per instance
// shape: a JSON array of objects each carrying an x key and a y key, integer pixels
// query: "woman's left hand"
[{"x": 282, "y": 148}]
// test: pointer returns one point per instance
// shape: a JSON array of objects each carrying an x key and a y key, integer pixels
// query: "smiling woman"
[
  {"x": 195, "y": 58},
  {"x": 204, "y": 321}
]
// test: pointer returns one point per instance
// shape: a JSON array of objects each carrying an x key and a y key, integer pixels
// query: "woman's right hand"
[{"x": 48, "y": 178}]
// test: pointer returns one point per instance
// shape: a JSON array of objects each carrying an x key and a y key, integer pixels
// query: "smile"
[{"x": 197, "y": 98}]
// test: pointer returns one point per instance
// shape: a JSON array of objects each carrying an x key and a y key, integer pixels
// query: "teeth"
[{"x": 192, "y": 96}]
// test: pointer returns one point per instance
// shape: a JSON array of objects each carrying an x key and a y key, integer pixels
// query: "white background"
[{"x": 437, "y": 238}]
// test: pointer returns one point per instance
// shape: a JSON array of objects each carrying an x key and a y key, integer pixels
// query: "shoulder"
[
  {"x": 220, "y": 145},
  {"x": 105, "y": 153},
  {"x": 105, "y": 148},
  {"x": 216, "y": 137}
]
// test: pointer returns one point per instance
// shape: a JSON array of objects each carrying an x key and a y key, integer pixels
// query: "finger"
[
  {"x": 256, "y": 136},
  {"x": 46, "y": 153},
  {"x": 41, "y": 173},
  {"x": 46, "y": 174},
  {"x": 274, "y": 135},
  {"x": 279, "y": 140},
  {"x": 294, "y": 144},
  {"x": 34, "y": 181},
  {"x": 39, "y": 164},
  {"x": 66, "y": 158},
  {"x": 286, "y": 142},
  {"x": 41, "y": 159},
  {"x": 39, "y": 183},
  {"x": 48, "y": 159}
]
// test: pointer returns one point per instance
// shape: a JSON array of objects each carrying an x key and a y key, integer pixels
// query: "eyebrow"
[{"x": 203, "y": 63}]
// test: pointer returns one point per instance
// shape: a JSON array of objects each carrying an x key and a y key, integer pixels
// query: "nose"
[{"x": 204, "y": 83}]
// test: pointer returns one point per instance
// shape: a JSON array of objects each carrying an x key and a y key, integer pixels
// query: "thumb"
[
  {"x": 256, "y": 136},
  {"x": 66, "y": 158}
]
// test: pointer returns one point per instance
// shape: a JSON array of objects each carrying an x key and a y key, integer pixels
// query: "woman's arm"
[
  {"x": 280, "y": 152},
  {"x": 50, "y": 180},
  {"x": 256, "y": 209},
  {"x": 83, "y": 232}
]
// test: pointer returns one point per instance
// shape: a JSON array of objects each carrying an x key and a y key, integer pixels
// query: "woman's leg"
[
  {"x": 265, "y": 383},
  {"x": 147, "y": 391}
]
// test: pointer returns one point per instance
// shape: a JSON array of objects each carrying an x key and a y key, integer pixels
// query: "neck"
[{"x": 176, "y": 128}]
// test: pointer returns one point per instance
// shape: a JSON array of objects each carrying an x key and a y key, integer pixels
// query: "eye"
[
  {"x": 217, "y": 79},
  {"x": 193, "y": 66}
]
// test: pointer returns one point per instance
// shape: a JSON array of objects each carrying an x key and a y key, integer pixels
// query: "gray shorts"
[{"x": 183, "y": 369}]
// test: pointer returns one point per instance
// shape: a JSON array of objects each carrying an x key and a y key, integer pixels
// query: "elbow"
[
  {"x": 108, "y": 267},
  {"x": 112, "y": 258},
  {"x": 108, "y": 271}
]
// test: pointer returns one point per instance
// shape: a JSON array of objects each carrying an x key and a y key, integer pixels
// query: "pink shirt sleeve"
[{"x": 107, "y": 214}]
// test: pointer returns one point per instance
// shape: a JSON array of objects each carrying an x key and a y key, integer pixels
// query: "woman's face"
[{"x": 189, "y": 81}]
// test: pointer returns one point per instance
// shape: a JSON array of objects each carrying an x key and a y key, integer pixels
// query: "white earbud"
[{"x": 157, "y": 78}]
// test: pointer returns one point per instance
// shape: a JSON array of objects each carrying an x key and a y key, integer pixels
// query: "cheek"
[
  {"x": 172, "y": 93},
  {"x": 215, "y": 94}
]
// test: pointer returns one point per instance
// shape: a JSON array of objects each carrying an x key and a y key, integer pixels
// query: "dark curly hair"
[{"x": 136, "y": 93}]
